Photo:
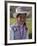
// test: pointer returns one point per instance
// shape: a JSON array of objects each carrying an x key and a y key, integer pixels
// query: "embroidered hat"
[{"x": 21, "y": 10}]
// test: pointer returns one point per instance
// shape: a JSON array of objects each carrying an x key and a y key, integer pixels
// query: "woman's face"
[{"x": 21, "y": 19}]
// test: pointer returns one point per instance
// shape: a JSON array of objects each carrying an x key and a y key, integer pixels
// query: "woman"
[{"x": 19, "y": 30}]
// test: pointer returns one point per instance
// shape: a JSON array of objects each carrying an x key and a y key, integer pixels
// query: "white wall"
[{"x": 2, "y": 15}]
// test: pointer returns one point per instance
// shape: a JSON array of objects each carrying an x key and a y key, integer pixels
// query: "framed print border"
[{"x": 6, "y": 22}]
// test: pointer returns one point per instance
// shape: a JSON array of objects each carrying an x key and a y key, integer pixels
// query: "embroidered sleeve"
[{"x": 11, "y": 33}]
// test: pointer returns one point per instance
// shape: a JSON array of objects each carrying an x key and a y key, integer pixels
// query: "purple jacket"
[{"x": 18, "y": 32}]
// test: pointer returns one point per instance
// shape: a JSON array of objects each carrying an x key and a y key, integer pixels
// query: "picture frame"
[{"x": 8, "y": 4}]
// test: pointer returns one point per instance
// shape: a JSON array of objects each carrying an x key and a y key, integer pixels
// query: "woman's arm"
[{"x": 11, "y": 33}]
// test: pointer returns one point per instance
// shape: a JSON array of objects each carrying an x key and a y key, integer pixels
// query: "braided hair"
[{"x": 25, "y": 26}]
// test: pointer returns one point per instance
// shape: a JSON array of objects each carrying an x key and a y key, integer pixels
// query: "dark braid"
[{"x": 25, "y": 26}]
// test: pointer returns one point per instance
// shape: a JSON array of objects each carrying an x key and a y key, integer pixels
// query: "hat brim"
[{"x": 15, "y": 14}]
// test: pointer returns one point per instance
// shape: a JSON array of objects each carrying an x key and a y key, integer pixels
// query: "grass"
[
  {"x": 29, "y": 25},
  {"x": 12, "y": 20}
]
